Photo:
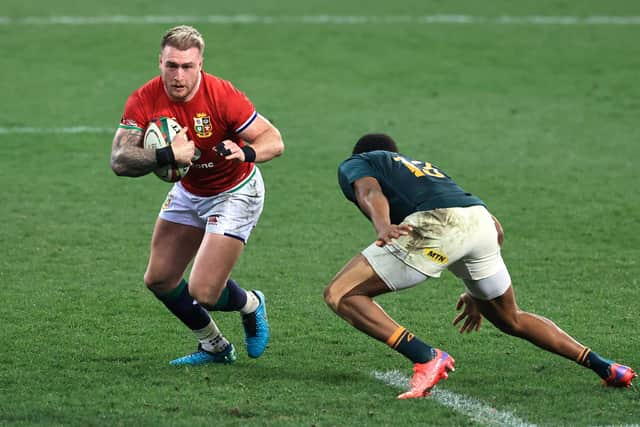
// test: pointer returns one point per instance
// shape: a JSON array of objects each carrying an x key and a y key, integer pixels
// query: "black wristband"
[
  {"x": 164, "y": 156},
  {"x": 249, "y": 153}
]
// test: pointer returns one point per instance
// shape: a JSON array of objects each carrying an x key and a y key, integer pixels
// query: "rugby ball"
[{"x": 159, "y": 134}]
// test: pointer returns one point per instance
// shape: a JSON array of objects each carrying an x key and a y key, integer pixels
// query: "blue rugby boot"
[
  {"x": 202, "y": 357},
  {"x": 256, "y": 328}
]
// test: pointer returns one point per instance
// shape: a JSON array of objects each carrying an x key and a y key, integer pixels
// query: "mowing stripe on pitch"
[
  {"x": 323, "y": 19},
  {"x": 474, "y": 409},
  {"x": 66, "y": 130}
]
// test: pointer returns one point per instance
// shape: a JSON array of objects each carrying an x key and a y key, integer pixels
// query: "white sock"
[
  {"x": 211, "y": 338},
  {"x": 252, "y": 303}
]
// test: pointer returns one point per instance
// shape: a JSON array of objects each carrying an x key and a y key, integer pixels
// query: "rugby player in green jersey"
[{"x": 425, "y": 224}]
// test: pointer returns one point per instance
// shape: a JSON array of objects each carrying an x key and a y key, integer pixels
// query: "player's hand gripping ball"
[{"x": 159, "y": 134}]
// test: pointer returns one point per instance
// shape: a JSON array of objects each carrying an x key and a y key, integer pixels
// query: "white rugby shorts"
[
  {"x": 233, "y": 213},
  {"x": 462, "y": 240}
]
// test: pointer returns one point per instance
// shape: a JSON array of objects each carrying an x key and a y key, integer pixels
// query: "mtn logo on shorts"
[{"x": 436, "y": 256}]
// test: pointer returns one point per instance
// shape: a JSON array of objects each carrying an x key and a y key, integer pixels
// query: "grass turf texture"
[{"x": 540, "y": 121}]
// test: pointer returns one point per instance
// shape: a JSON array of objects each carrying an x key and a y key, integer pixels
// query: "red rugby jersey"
[{"x": 218, "y": 111}]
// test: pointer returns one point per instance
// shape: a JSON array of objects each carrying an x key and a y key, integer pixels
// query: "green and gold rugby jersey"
[{"x": 409, "y": 185}]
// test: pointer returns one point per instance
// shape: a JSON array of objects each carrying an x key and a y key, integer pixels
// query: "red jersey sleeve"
[
  {"x": 238, "y": 110},
  {"x": 134, "y": 115}
]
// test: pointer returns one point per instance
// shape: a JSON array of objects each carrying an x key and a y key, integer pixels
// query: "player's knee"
[
  {"x": 159, "y": 284},
  {"x": 332, "y": 298},
  {"x": 152, "y": 282}
]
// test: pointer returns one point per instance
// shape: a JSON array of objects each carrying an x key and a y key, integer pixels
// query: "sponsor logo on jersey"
[
  {"x": 436, "y": 256},
  {"x": 208, "y": 165},
  {"x": 202, "y": 125}
]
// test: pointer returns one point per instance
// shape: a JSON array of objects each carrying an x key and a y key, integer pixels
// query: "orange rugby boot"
[
  {"x": 621, "y": 376},
  {"x": 427, "y": 375}
]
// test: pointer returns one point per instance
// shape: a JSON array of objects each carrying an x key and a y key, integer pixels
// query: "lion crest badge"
[{"x": 202, "y": 125}]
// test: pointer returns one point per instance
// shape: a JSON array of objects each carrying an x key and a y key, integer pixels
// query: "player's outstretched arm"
[
  {"x": 128, "y": 157},
  {"x": 375, "y": 206},
  {"x": 470, "y": 314}
]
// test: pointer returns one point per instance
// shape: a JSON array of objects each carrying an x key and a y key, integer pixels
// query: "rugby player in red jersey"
[{"x": 209, "y": 214}]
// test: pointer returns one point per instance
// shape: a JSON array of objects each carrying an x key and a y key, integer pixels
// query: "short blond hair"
[{"x": 183, "y": 37}]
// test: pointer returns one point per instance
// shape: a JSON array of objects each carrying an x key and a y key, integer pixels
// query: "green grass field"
[{"x": 539, "y": 118}]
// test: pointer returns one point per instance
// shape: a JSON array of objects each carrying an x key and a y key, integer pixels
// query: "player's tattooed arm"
[{"x": 128, "y": 157}]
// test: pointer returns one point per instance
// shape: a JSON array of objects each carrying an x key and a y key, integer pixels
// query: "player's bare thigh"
[
  {"x": 212, "y": 266},
  {"x": 173, "y": 246},
  {"x": 356, "y": 278}
]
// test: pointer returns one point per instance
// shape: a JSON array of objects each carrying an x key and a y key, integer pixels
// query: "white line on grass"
[
  {"x": 323, "y": 19},
  {"x": 620, "y": 425},
  {"x": 474, "y": 409},
  {"x": 65, "y": 130}
]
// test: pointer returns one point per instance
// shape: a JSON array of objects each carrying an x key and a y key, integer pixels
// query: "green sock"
[{"x": 222, "y": 301}]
